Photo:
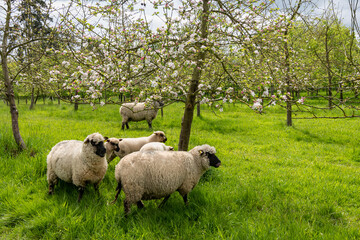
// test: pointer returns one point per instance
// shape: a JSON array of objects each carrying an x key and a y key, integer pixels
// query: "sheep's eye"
[{"x": 93, "y": 143}]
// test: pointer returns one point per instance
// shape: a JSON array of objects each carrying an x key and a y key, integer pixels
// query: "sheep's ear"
[
  {"x": 86, "y": 140},
  {"x": 106, "y": 139},
  {"x": 171, "y": 149},
  {"x": 120, "y": 139},
  {"x": 201, "y": 152}
]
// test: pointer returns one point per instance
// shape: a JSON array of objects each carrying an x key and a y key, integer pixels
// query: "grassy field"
[{"x": 275, "y": 182}]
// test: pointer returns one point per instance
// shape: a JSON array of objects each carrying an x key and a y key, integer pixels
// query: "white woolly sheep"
[
  {"x": 138, "y": 112},
  {"x": 156, "y": 146},
  {"x": 112, "y": 146},
  {"x": 157, "y": 174},
  {"x": 129, "y": 145},
  {"x": 77, "y": 162}
]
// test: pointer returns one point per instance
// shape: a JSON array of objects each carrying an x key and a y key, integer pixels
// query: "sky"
[{"x": 341, "y": 6}]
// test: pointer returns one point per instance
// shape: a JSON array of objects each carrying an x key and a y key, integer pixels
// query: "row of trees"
[{"x": 204, "y": 51}]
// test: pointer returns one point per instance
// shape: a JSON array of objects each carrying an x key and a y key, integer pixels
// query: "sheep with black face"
[
  {"x": 129, "y": 145},
  {"x": 77, "y": 162},
  {"x": 112, "y": 148},
  {"x": 157, "y": 174}
]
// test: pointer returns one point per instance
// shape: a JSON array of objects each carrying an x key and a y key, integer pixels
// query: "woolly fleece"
[
  {"x": 129, "y": 145},
  {"x": 76, "y": 162},
  {"x": 157, "y": 174},
  {"x": 156, "y": 146}
]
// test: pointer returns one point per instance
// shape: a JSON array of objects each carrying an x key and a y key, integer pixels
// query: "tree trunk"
[
  {"x": 196, "y": 75},
  {"x": 32, "y": 99},
  {"x": 341, "y": 92},
  {"x": 37, "y": 96},
  {"x": 288, "y": 87},
  {"x": 198, "y": 110},
  {"x": 328, "y": 67},
  {"x": 12, "y": 103},
  {"x": 76, "y": 105},
  {"x": 7, "y": 81}
]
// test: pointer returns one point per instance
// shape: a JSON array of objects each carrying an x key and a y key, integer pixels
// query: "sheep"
[
  {"x": 156, "y": 146},
  {"x": 129, "y": 145},
  {"x": 112, "y": 146},
  {"x": 77, "y": 162},
  {"x": 138, "y": 112},
  {"x": 157, "y": 174}
]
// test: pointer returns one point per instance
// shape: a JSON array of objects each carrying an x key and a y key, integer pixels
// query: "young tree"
[{"x": 10, "y": 42}]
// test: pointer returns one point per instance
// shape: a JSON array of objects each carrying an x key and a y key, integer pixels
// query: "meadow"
[{"x": 275, "y": 182}]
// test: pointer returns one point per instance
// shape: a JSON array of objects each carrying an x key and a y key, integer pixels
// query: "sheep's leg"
[
  {"x": 52, "y": 180},
  {"x": 51, "y": 188},
  {"x": 149, "y": 123},
  {"x": 127, "y": 125},
  {"x": 118, "y": 190},
  {"x": 164, "y": 201},
  {"x": 96, "y": 187},
  {"x": 185, "y": 199},
  {"x": 123, "y": 126},
  {"x": 140, "y": 204},
  {"x": 127, "y": 206},
  {"x": 81, "y": 192}
]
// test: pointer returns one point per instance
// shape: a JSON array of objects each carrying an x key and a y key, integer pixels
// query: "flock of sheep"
[{"x": 148, "y": 169}]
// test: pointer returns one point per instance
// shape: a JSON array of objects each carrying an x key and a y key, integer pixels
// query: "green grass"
[{"x": 275, "y": 182}]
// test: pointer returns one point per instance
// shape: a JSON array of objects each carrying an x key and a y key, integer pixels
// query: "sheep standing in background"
[
  {"x": 77, "y": 162},
  {"x": 112, "y": 146},
  {"x": 129, "y": 145},
  {"x": 156, "y": 146},
  {"x": 157, "y": 174},
  {"x": 138, "y": 112}
]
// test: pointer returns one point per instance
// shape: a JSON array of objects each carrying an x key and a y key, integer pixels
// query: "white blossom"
[{"x": 154, "y": 84}]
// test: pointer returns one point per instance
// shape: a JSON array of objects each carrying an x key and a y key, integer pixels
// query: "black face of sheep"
[
  {"x": 214, "y": 160},
  {"x": 100, "y": 148},
  {"x": 162, "y": 136},
  {"x": 116, "y": 145}
]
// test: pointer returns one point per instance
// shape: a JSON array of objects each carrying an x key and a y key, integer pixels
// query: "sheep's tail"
[{"x": 118, "y": 190}]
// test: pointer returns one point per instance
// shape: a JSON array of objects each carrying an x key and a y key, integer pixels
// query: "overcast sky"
[{"x": 341, "y": 6}]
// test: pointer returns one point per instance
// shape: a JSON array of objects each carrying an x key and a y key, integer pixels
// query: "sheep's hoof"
[
  {"x": 140, "y": 204},
  {"x": 51, "y": 190}
]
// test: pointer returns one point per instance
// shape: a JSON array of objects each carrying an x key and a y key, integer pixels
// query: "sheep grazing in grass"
[
  {"x": 112, "y": 146},
  {"x": 77, "y": 162},
  {"x": 129, "y": 145},
  {"x": 157, "y": 174},
  {"x": 138, "y": 112},
  {"x": 156, "y": 146}
]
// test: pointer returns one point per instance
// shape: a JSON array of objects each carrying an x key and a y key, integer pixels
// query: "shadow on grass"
[
  {"x": 221, "y": 125},
  {"x": 307, "y": 136}
]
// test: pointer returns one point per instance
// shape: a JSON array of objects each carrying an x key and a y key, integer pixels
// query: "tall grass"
[{"x": 275, "y": 182}]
